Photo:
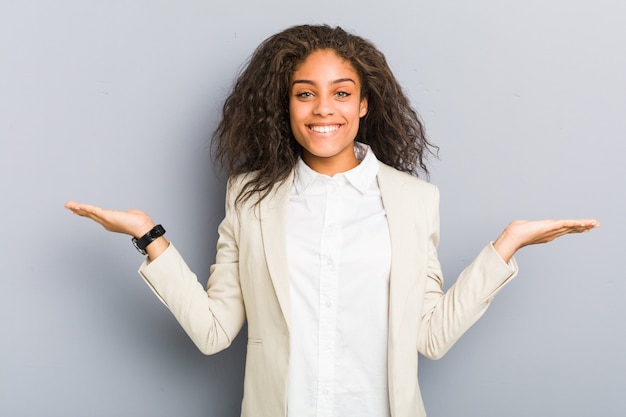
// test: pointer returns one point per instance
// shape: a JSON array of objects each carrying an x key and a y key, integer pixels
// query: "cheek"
[
  {"x": 294, "y": 124},
  {"x": 296, "y": 114},
  {"x": 292, "y": 120},
  {"x": 290, "y": 107}
]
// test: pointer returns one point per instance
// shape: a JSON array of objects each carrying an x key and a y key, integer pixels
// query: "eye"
[
  {"x": 342, "y": 94},
  {"x": 304, "y": 94}
]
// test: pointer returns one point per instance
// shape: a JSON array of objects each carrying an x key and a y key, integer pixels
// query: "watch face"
[{"x": 136, "y": 245}]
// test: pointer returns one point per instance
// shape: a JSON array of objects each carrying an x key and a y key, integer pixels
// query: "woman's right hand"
[{"x": 135, "y": 223}]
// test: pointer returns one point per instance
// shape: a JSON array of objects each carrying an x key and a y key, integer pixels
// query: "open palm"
[{"x": 131, "y": 222}]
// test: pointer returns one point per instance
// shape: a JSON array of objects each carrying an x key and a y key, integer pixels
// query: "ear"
[{"x": 363, "y": 107}]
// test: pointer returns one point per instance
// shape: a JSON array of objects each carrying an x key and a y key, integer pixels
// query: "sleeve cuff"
[{"x": 512, "y": 264}]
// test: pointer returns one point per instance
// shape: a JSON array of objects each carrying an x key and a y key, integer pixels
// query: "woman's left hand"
[{"x": 522, "y": 233}]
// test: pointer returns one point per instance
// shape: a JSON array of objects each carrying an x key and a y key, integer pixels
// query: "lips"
[{"x": 324, "y": 129}]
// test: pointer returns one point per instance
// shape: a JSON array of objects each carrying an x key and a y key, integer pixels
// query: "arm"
[
  {"x": 446, "y": 316},
  {"x": 211, "y": 318}
]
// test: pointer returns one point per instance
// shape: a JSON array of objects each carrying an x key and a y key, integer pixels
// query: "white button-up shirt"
[{"x": 339, "y": 258}]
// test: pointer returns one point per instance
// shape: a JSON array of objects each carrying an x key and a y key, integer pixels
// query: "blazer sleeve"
[
  {"x": 446, "y": 316},
  {"x": 212, "y": 317}
]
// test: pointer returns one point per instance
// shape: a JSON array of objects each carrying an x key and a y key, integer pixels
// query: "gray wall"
[{"x": 112, "y": 102}]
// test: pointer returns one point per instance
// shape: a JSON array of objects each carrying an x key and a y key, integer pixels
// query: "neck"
[{"x": 329, "y": 166}]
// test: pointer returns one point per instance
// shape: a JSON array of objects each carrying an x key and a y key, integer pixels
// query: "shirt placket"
[{"x": 329, "y": 251}]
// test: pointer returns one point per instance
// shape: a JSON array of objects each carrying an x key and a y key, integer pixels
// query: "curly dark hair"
[{"x": 254, "y": 133}]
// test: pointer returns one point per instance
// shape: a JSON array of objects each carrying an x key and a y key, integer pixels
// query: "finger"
[
  {"x": 89, "y": 211},
  {"x": 72, "y": 206},
  {"x": 565, "y": 230},
  {"x": 86, "y": 210},
  {"x": 581, "y": 227},
  {"x": 561, "y": 227},
  {"x": 591, "y": 223}
]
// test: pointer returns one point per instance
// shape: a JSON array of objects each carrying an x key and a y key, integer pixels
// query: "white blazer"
[{"x": 249, "y": 281}]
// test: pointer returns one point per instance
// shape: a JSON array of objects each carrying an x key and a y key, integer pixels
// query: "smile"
[{"x": 324, "y": 129}]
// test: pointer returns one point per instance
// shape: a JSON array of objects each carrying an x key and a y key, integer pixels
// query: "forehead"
[{"x": 325, "y": 63}]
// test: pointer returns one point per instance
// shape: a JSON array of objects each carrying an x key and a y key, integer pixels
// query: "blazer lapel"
[
  {"x": 397, "y": 209},
  {"x": 273, "y": 218}
]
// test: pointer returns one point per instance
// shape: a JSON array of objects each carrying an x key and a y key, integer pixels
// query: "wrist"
[
  {"x": 157, "y": 247},
  {"x": 143, "y": 229},
  {"x": 506, "y": 245},
  {"x": 148, "y": 238}
]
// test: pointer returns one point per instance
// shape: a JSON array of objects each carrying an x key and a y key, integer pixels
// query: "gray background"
[{"x": 112, "y": 102}]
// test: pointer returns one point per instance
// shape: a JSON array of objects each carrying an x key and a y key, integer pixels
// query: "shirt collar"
[{"x": 360, "y": 177}]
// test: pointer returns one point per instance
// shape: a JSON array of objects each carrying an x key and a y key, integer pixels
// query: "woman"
[{"x": 329, "y": 245}]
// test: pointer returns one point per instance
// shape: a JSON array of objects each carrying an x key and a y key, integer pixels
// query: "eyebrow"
[{"x": 338, "y": 81}]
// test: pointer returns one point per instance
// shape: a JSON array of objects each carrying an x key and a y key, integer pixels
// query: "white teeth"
[{"x": 324, "y": 129}]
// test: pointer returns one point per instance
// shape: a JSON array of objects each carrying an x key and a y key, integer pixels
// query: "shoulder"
[
  {"x": 410, "y": 202},
  {"x": 243, "y": 191},
  {"x": 389, "y": 177},
  {"x": 237, "y": 182}
]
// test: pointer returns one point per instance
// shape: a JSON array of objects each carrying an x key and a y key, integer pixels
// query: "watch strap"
[{"x": 142, "y": 243}]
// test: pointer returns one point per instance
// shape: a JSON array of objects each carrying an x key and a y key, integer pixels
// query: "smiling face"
[{"x": 325, "y": 107}]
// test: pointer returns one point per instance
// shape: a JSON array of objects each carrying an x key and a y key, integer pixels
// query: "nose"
[{"x": 324, "y": 106}]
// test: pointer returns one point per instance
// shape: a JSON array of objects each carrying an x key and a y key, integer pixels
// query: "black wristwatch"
[{"x": 142, "y": 243}]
